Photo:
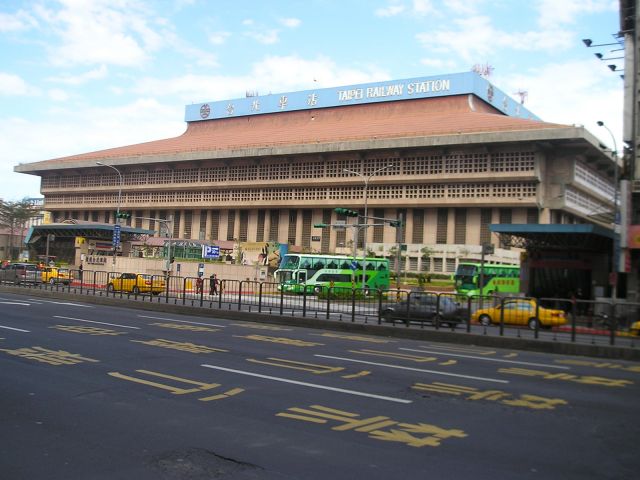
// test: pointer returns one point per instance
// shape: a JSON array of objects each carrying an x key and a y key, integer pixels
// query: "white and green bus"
[
  {"x": 497, "y": 279},
  {"x": 311, "y": 272}
]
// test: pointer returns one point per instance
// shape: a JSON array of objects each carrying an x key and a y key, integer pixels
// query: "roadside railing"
[{"x": 556, "y": 319}]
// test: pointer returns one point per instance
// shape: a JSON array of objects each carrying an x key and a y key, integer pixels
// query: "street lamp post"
[
  {"x": 616, "y": 220},
  {"x": 119, "y": 202},
  {"x": 366, "y": 218}
]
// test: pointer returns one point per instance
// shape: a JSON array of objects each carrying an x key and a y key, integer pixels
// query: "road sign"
[
  {"x": 115, "y": 240},
  {"x": 354, "y": 265},
  {"x": 210, "y": 251}
]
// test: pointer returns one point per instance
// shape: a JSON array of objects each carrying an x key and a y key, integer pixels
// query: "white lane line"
[
  {"x": 61, "y": 303},
  {"x": 311, "y": 385},
  {"x": 182, "y": 321},
  {"x": 16, "y": 329},
  {"x": 436, "y": 372},
  {"x": 499, "y": 360},
  {"x": 93, "y": 321},
  {"x": 16, "y": 303}
]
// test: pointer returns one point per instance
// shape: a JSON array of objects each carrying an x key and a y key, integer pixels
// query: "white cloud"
[
  {"x": 290, "y": 22},
  {"x": 267, "y": 37},
  {"x": 68, "y": 79},
  {"x": 578, "y": 92},
  {"x": 11, "y": 84},
  {"x": 218, "y": 38},
  {"x": 275, "y": 74},
  {"x": 390, "y": 11},
  {"x": 18, "y": 21},
  {"x": 422, "y": 7},
  {"x": 442, "y": 65},
  {"x": 476, "y": 37},
  {"x": 463, "y": 7},
  {"x": 553, "y": 13},
  {"x": 58, "y": 95},
  {"x": 101, "y": 31}
]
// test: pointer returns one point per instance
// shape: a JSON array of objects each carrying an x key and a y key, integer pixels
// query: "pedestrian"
[
  {"x": 199, "y": 284},
  {"x": 80, "y": 270},
  {"x": 213, "y": 284}
]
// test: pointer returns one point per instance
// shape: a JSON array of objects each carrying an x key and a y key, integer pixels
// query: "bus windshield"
[{"x": 290, "y": 261}]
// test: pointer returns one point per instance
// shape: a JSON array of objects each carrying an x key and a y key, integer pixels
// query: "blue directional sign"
[
  {"x": 116, "y": 236},
  {"x": 354, "y": 265},
  {"x": 210, "y": 251}
]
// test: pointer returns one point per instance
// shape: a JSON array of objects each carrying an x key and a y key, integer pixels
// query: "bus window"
[{"x": 302, "y": 277}]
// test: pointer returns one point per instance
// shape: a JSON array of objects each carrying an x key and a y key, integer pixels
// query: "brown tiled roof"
[{"x": 462, "y": 114}]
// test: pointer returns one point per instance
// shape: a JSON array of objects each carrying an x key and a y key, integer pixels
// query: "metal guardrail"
[{"x": 595, "y": 322}]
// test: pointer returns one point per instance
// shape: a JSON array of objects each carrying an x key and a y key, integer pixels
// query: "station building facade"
[{"x": 450, "y": 155}]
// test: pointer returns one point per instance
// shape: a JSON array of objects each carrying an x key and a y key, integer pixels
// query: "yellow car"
[
  {"x": 520, "y": 312},
  {"x": 137, "y": 283},
  {"x": 634, "y": 329},
  {"x": 53, "y": 275}
]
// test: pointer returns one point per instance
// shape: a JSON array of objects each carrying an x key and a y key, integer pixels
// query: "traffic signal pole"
[{"x": 394, "y": 222}]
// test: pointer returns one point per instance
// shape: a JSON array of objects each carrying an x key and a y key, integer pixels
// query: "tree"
[{"x": 14, "y": 216}]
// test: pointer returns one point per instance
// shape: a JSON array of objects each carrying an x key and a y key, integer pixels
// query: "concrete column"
[
  {"x": 236, "y": 225},
  {"x": 222, "y": 226},
  {"x": 408, "y": 229},
  {"x": 267, "y": 224},
  {"x": 299, "y": 223},
  {"x": 195, "y": 224},
  {"x": 207, "y": 231}
]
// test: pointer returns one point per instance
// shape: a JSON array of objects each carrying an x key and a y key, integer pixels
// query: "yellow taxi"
[
  {"x": 53, "y": 275},
  {"x": 520, "y": 311},
  {"x": 137, "y": 283}
]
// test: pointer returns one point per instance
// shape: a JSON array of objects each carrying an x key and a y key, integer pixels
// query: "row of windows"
[
  {"x": 292, "y": 194},
  {"x": 453, "y": 163}
]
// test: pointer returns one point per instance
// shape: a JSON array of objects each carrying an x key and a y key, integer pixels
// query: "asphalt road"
[{"x": 95, "y": 392}]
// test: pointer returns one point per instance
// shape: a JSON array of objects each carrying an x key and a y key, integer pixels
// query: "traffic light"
[
  {"x": 320, "y": 225},
  {"x": 396, "y": 223},
  {"x": 346, "y": 212},
  {"x": 123, "y": 214}
]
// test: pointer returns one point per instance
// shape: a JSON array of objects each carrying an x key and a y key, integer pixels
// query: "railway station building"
[{"x": 452, "y": 156}]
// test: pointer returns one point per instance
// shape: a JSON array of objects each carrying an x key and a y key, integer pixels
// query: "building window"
[
  {"x": 215, "y": 225},
  {"x": 306, "y": 228},
  {"x": 485, "y": 221},
  {"x": 274, "y": 225},
  {"x": 244, "y": 225},
  {"x": 260, "y": 226},
  {"x": 533, "y": 215},
  {"x": 293, "y": 223},
  {"x": 460, "y": 232},
  {"x": 188, "y": 220},
  {"x": 442, "y": 224},
  {"x": 176, "y": 224},
  {"x": 231, "y": 224},
  {"x": 418, "y": 225},
  {"x": 326, "y": 231},
  {"x": 378, "y": 230},
  {"x": 505, "y": 218}
]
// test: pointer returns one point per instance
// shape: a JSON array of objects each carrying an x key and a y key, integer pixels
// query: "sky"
[{"x": 78, "y": 76}]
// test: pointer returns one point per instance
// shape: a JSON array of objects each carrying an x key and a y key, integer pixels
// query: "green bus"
[
  {"x": 311, "y": 272},
  {"x": 497, "y": 279}
]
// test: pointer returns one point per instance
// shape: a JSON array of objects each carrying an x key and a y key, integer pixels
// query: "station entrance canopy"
[
  {"x": 573, "y": 237},
  {"x": 100, "y": 231}
]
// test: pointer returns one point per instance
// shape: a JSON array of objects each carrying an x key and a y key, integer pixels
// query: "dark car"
[{"x": 426, "y": 307}]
